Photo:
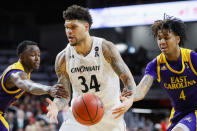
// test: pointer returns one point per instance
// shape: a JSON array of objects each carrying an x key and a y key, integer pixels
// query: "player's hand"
[
  {"x": 52, "y": 111},
  {"x": 127, "y": 102},
  {"x": 125, "y": 93},
  {"x": 58, "y": 91}
]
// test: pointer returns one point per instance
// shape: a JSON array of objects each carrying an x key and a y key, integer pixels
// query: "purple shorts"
[{"x": 188, "y": 120}]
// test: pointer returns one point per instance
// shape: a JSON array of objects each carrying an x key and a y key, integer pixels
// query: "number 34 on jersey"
[{"x": 92, "y": 85}]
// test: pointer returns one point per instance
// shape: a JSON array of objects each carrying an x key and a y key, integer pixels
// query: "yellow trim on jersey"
[
  {"x": 171, "y": 116},
  {"x": 16, "y": 65},
  {"x": 19, "y": 95},
  {"x": 5, "y": 123},
  {"x": 192, "y": 67},
  {"x": 174, "y": 71},
  {"x": 158, "y": 69},
  {"x": 196, "y": 118},
  {"x": 4, "y": 88}
]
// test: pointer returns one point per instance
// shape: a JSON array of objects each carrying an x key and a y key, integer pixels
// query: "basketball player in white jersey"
[{"x": 91, "y": 64}]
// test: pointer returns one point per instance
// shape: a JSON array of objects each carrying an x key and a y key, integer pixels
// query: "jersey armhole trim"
[
  {"x": 4, "y": 77},
  {"x": 191, "y": 65}
]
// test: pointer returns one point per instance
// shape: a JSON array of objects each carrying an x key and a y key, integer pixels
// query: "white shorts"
[{"x": 108, "y": 123}]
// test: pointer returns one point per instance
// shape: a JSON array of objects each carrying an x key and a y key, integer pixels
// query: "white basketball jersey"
[{"x": 93, "y": 74}]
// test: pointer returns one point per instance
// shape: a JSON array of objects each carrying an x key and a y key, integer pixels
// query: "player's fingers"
[
  {"x": 117, "y": 110},
  {"x": 54, "y": 117},
  {"x": 49, "y": 101},
  {"x": 122, "y": 98},
  {"x": 60, "y": 85},
  {"x": 48, "y": 115},
  {"x": 119, "y": 115},
  {"x": 129, "y": 93},
  {"x": 50, "y": 120},
  {"x": 123, "y": 92},
  {"x": 56, "y": 121}
]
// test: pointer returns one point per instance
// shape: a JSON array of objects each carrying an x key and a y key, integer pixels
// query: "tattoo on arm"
[
  {"x": 143, "y": 87},
  {"x": 113, "y": 57},
  {"x": 63, "y": 78},
  {"x": 60, "y": 103}
]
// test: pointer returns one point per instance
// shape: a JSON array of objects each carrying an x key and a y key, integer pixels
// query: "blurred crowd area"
[{"x": 29, "y": 113}]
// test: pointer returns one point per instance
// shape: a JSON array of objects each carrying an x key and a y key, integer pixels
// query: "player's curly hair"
[
  {"x": 76, "y": 12},
  {"x": 172, "y": 24},
  {"x": 23, "y": 46}
]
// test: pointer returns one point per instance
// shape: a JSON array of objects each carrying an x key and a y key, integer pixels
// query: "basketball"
[{"x": 88, "y": 109}]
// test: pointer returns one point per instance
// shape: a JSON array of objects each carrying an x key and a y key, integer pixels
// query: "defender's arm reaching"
[{"x": 21, "y": 80}]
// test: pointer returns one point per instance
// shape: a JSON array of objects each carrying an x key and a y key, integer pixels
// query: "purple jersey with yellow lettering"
[{"x": 179, "y": 79}]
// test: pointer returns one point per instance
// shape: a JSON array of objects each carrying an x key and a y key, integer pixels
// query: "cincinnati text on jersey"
[
  {"x": 85, "y": 69},
  {"x": 179, "y": 83}
]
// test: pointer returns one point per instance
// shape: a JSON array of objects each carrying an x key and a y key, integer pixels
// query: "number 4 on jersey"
[
  {"x": 182, "y": 95},
  {"x": 93, "y": 83}
]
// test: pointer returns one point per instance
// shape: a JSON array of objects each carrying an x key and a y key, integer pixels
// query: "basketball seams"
[
  {"x": 96, "y": 106},
  {"x": 87, "y": 109},
  {"x": 75, "y": 113}
]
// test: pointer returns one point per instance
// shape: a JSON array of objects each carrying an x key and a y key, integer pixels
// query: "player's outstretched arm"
[
  {"x": 113, "y": 57},
  {"x": 143, "y": 87},
  {"x": 21, "y": 80}
]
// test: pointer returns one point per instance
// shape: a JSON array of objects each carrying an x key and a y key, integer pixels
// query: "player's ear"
[
  {"x": 21, "y": 56},
  {"x": 178, "y": 39},
  {"x": 87, "y": 26}
]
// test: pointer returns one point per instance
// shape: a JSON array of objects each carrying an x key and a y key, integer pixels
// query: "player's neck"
[
  {"x": 26, "y": 69},
  {"x": 85, "y": 46},
  {"x": 173, "y": 56}
]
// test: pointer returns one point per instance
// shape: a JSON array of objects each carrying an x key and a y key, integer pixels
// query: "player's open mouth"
[
  {"x": 37, "y": 64},
  {"x": 164, "y": 49},
  {"x": 70, "y": 38}
]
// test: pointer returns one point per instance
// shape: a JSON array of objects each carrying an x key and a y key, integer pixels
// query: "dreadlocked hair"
[{"x": 172, "y": 24}]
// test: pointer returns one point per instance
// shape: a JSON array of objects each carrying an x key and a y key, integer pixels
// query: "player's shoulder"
[
  {"x": 107, "y": 45},
  {"x": 64, "y": 52},
  {"x": 61, "y": 57},
  {"x": 154, "y": 60},
  {"x": 152, "y": 63},
  {"x": 61, "y": 54}
]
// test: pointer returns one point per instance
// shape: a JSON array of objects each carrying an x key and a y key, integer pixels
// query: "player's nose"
[{"x": 163, "y": 41}]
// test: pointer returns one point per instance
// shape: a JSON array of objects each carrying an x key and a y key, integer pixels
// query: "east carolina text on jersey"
[{"x": 179, "y": 83}]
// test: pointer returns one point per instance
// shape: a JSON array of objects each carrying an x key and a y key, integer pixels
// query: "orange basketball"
[{"x": 88, "y": 109}]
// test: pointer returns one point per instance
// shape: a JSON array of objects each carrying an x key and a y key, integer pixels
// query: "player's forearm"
[
  {"x": 143, "y": 87},
  {"x": 33, "y": 88},
  {"x": 138, "y": 95},
  {"x": 128, "y": 82},
  {"x": 61, "y": 103}
]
